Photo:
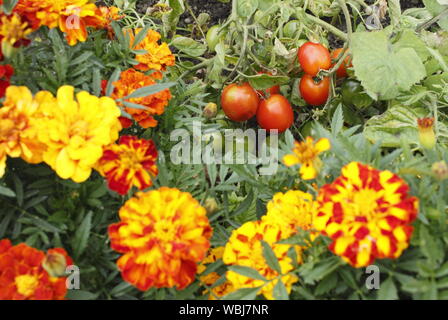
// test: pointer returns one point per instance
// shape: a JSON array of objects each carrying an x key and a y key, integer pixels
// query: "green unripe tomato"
[
  {"x": 353, "y": 94},
  {"x": 213, "y": 37}
]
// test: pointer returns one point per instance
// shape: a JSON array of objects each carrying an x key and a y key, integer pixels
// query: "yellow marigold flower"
[
  {"x": 291, "y": 210},
  {"x": 131, "y": 80},
  {"x": 367, "y": 213},
  {"x": 18, "y": 127},
  {"x": 130, "y": 162},
  {"x": 162, "y": 234},
  {"x": 210, "y": 279},
  {"x": 158, "y": 56},
  {"x": 13, "y": 29},
  {"x": 307, "y": 153},
  {"x": 77, "y": 131},
  {"x": 426, "y": 132},
  {"x": 244, "y": 249}
]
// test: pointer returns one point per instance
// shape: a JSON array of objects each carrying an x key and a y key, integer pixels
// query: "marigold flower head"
[
  {"x": 13, "y": 33},
  {"x": 77, "y": 131},
  {"x": 291, "y": 210},
  {"x": 130, "y": 162},
  {"x": 210, "y": 279},
  {"x": 367, "y": 213},
  {"x": 244, "y": 248},
  {"x": 157, "y": 56},
  {"x": 162, "y": 234},
  {"x": 131, "y": 80},
  {"x": 23, "y": 277},
  {"x": 307, "y": 153},
  {"x": 426, "y": 132},
  {"x": 18, "y": 126},
  {"x": 108, "y": 14}
]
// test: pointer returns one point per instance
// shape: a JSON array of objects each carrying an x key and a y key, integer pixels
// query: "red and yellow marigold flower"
[
  {"x": 162, "y": 234},
  {"x": 108, "y": 14},
  {"x": 244, "y": 249},
  {"x": 157, "y": 56},
  {"x": 426, "y": 132},
  {"x": 13, "y": 33},
  {"x": 76, "y": 130},
  {"x": 292, "y": 210},
  {"x": 6, "y": 72},
  {"x": 210, "y": 279},
  {"x": 307, "y": 153},
  {"x": 131, "y": 80},
  {"x": 19, "y": 126},
  {"x": 131, "y": 162},
  {"x": 24, "y": 277},
  {"x": 367, "y": 213}
]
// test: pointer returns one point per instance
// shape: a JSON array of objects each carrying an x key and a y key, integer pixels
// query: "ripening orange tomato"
[
  {"x": 342, "y": 70},
  {"x": 314, "y": 57},
  {"x": 314, "y": 93},
  {"x": 239, "y": 101}
]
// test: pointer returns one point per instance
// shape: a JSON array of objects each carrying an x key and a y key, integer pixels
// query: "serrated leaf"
[
  {"x": 280, "y": 292},
  {"x": 82, "y": 235},
  {"x": 189, "y": 46},
  {"x": 247, "y": 272},
  {"x": 384, "y": 70},
  {"x": 270, "y": 257},
  {"x": 388, "y": 290},
  {"x": 338, "y": 120},
  {"x": 7, "y": 192},
  {"x": 245, "y": 8}
]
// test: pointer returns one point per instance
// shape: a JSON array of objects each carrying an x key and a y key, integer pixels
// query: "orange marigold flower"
[
  {"x": 157, "y": 56},
  {"x": 131, "y": 80},
  {"x": 108, "y": 14},
  {"x": 307, "y": 153},
  {"x": 210, "y": 279},
  {"x": 163, "y": 234},
  {"x": 130, "y": 162},
  {"x": 426, "y": 132},
  {"x": 367, "y": 213},
  {"x": 244, "y": 248},
  {"x": 24, "y": 277},
  {"x": 291, "y": 210}
]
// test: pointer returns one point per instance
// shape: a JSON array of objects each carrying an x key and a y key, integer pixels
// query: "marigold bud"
[
  {"x": 426, "y": 133},
  {"x": 8, "y": 50},
  {"x": 210, "y": 110},
  {"x": 55, "y": 263},
  {"x": 440, "y": 170},
  {"x": 210, "y": 205}
]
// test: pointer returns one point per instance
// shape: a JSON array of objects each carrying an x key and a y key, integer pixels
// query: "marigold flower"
[
  {"x": 426, "y": 132},
  {"x": 23, "y": 277},
  {"x": 291, "y": 210},
  {"x": 18, "y": 131},
  {"x": 307, "y": 153},
  {"x": 13, "y": 33},
  {"x": 157, "y": 56},
  {"x": 244, "y": 249},
  {"x": 163, "y": 234},
  {"x": 210, "y": 279},
  {"x": 130, "y": 162},
  {"x": 131, "y": 80},
  {"x": 367, "y": 213},
  {"x": 108, "y": 14},
  {"x": 6, "y": 72},
  {"x": 440, "y": 170},
  {"x": 77, "y": 131}
]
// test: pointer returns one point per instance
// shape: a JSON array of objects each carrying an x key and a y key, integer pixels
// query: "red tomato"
[
  {"x": 313, "y": 57},
  {"x": 275, "y": 113},
  {"x": 342, "y": 70},
  {"x": 270, "y": 91},
  {"x": 313, "y": 93},
  {"x": 239, "y": 102}
]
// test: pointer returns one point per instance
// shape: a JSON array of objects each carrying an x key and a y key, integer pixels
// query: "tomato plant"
[
  {"x": 239, "y": 101},
  {"x": 275, "y": 112},
  {"x": 341, "y": 72}
]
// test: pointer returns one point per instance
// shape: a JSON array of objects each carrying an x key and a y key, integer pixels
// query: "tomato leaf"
[
  {"x": 265, "y": 81},
  {"x": 189, "y": 46}
]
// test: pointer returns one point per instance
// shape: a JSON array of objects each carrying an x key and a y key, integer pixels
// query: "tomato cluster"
[{"x": 241, "y": 102}]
